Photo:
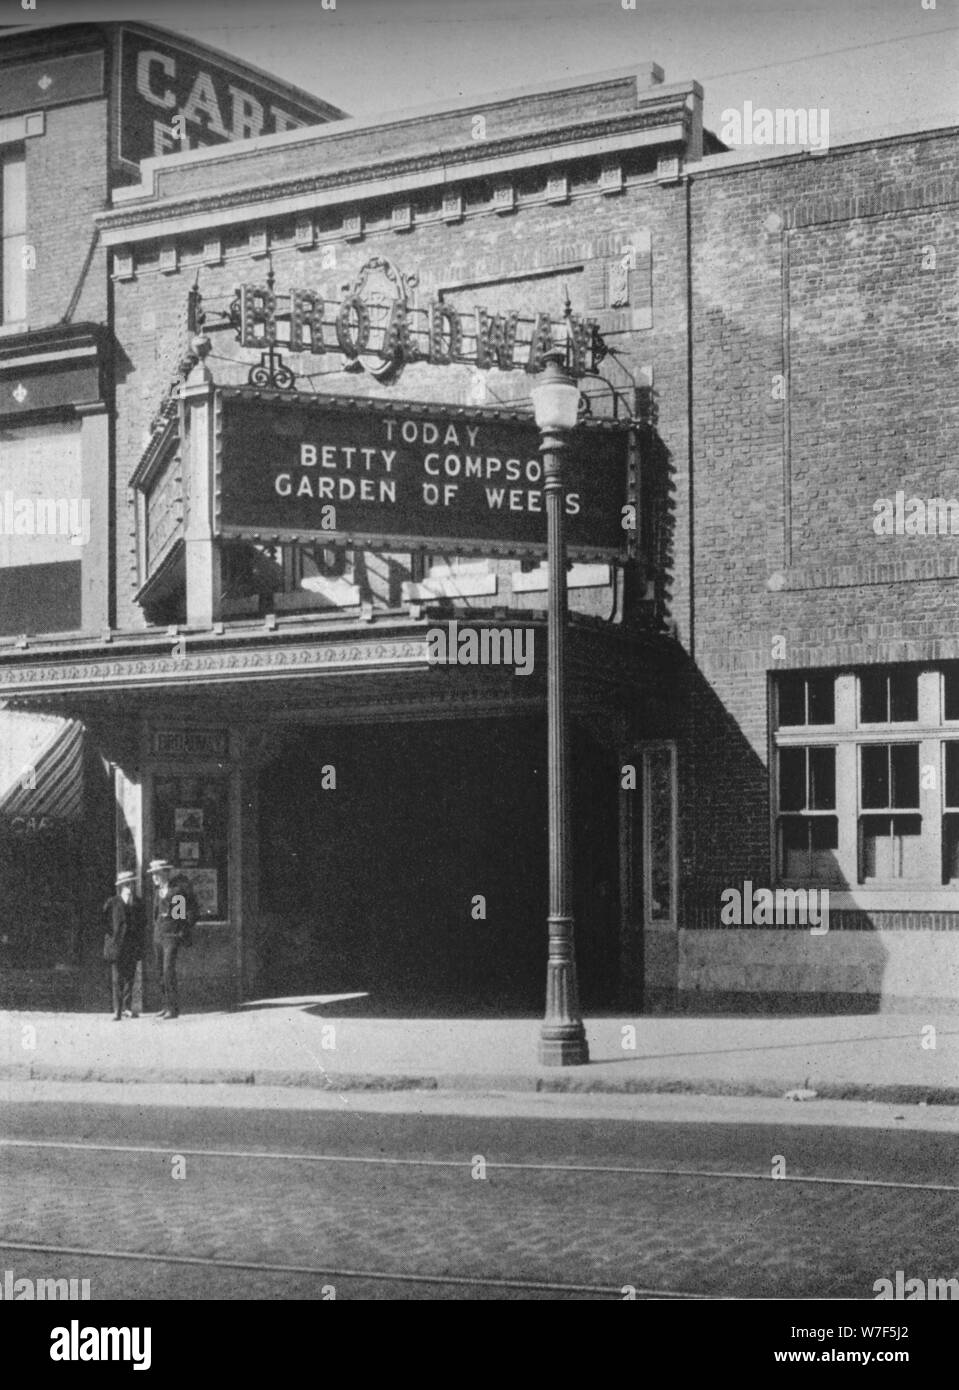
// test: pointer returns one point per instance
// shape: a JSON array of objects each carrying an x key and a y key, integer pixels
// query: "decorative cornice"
[
  {"x": 632, "y": 86},
  {"x": 602, "y": 655},
  {"x": 154, "y": 216},
  {"x": 230, "y": 665}
]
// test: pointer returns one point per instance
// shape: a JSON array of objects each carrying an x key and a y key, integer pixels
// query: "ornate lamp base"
[
  {"x": 563, "y": 1045},
  {"x": 562, "y": 1036}
]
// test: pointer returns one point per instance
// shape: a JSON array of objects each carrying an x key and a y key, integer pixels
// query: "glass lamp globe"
[{"x": 555, "y": 399}]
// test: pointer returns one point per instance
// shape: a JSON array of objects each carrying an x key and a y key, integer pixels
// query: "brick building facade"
[
  {"x": 822, "y": 358},
  {"x": 80, "y": 106},
  {"x": 761, "y": 685}
]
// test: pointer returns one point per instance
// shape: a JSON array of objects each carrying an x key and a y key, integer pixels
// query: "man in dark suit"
[
  {"x": 175, "y": 911},
  {"x": 123, "y": 942}
]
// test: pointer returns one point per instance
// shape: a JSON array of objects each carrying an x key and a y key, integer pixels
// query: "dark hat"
[
  {"x": 158, "y": 865},
  {"x": 127, "y": 876}
]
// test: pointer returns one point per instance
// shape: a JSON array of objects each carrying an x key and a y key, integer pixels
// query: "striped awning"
[{"x": 48, "y": 782}]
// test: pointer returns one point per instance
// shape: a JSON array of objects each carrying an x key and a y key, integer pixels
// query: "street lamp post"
[{"x": 562, "y": 1039}]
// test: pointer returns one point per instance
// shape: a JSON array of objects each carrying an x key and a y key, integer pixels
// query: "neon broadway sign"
[{"x": 376, "y": 326}]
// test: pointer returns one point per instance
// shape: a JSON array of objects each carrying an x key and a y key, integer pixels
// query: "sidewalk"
[{"x": 862, "y": 1057}]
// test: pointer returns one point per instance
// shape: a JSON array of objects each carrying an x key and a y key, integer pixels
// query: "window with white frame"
[
  {"x": 865, "y": 774},
  {"x": 807, "y": 803},
  {"x": 890, "y": 824},
  {"x": 13, "y": 234}
]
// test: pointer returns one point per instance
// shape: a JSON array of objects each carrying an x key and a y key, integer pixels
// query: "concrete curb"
[{"x": 562, "y": 1082}]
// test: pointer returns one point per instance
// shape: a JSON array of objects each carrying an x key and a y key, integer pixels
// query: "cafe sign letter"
[{"x": 161, "y": 79}]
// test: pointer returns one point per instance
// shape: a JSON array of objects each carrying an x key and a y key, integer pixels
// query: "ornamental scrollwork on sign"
[{"x": 382, "y": 294}]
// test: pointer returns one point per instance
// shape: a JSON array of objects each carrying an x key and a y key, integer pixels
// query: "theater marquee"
[{"x": 397, "y": 474}]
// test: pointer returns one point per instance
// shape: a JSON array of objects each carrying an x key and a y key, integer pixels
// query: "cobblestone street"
[{"x": 397, "y": 1196}]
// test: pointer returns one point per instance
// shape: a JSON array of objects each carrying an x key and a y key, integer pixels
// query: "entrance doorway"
[{"x": 420, "y": 877}]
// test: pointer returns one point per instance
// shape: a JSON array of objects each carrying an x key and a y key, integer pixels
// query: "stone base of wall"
[
  {"x": 876, "y": 971},
  {"x": 807, "y": 1005},
  {"x": 39, "y": 988}
]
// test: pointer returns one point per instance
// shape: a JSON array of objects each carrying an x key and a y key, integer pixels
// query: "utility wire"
[
  {"x": 831, "y": 53},
  {"x": 711, "y": 77}
]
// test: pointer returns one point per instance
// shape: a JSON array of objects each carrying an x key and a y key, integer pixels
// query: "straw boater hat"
[
  {"x": 127, "y": 876},
  {"x": 159, "y": 865}
]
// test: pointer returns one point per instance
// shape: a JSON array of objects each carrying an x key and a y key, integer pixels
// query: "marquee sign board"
[
  {"x": 160, "y": 79},
  {"x": 399, "y": 474}
]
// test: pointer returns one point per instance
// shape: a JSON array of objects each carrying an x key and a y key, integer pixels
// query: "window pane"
[
  {"x": 824, "y": 841},
  {"x": 825, "y": 832},
  {"x": 950, "y": 849},
  {"x": 952, "y": 773},
  {"x": 792, "y": 700},
  {"x": 822, "y": 705},
  {"x": 905, "y": 775},
  {"x": 875, "y": 774},
  {"x": 950, "y": 684},
  {"x": 891, "y": 847},
  {"x": 792, "y": 779},
  {"x": 872, "y": 697},
  {"x": 876, "y": 847},
  {"x": 822, "y": 779},
  {"x": 903, "y": 696},
  {"x": 794, "y": 833},
  {"x": 907, "y": 839}
]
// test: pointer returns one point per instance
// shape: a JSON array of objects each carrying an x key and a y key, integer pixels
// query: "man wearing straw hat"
[
  {"x": 123, "y": 942},
  {"x": 175, "y": 912}
]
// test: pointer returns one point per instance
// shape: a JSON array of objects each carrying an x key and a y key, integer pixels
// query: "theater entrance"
[{"x": 410, "y": 861}]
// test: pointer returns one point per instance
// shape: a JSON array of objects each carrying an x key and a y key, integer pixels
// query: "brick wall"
[
  {"x": 815, "y": 269},
  {"x": 66, "y": 187}
]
